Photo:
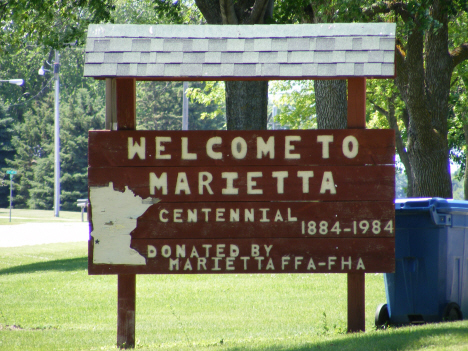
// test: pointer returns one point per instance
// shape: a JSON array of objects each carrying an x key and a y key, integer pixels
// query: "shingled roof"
[{"x": 232, "y": 52}]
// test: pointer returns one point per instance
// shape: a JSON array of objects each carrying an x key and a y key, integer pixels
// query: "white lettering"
[
  {"x": 166, "y": 251},
  {"x": 220, "y": 250},
  {"x": 177, "y": 215},
  {"x": 151, "y": 251},
  {"x": 255, "y": 250},
  {"x": 209, "y": 148},
  {"x": 229, "y": 190},
  {"x": 290, "y": 218},
  {"x": 220, "y": 214},
  {"x": 182, "y": 184},
  {"x": 266, "y": 148},
  {"x": 204, "y": 180},
  {"x": 160, "y": 148},
  {"x": 280, "y": 175},
  {"x": 305, "y": 175},
  {"x": 161, "y": 217},
  {"x": 328, "y": 183},
  {"x": 284, "y": 261},
  {"x": 180, "y": 250},
  {"x": 238, "y": 148},
  {"x": 135, "y": 148},
  {"x": 185, "y": 154},
  {"x": 325, "y": 140},
  {"x": 159, "y": 183},
  {"x": 251, "y": 183},
  {"x": 297, "y": 261},
  {"x": 234, "y": 250},
  {"x": 350, "y": 146},
  {"x": 288, "y": 147},
  {"x": 360, "y": 264},
  {"x": 331, "y": 262}
]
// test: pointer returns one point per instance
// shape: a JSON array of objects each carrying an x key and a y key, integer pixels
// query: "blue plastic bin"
[{"x": 430, "y": 282}]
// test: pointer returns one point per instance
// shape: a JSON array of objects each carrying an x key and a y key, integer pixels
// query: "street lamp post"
[
  {"x": 42, "y": 71},
  {"x": 13, "y": 81},
  {"x": 57, "y": 135}
]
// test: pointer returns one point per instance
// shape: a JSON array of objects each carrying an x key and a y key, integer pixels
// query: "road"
[{"x": 42, "y": 233}]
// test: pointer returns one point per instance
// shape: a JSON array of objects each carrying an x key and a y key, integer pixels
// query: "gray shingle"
[
  {"x": 375, "y": 56},
  {"x": 235, "y": 45},
  {"x": 212, "y": 57},
  {"x": 141, "y": 45},
  {"x": 123, "y": 69},
  {"x": 310, "y": 69},
  {"x": 227, "y": 69},
  {"x": 94, "y": 57},
  {"x": 325, "y": 44},
  {"x": 372, "y": 69},
  {"x": 89, "y": 45},
  {"x": 99, "y": 70},
  {"x": 155, "y": 70},
  {"x": 387, "y": 44},
  {"x": 145, "y": 57},
  {"x": 217, "y": 45},
  {"x": 388, "y": 70},
  {"x": 359, "y": 69},
  {"x": 283, "y": 57},
  {"x": 101, "y": 45},
  {"x": 356, "y": 56},
  {"x": 113, "y": 57},
  {"x": 323, "y": 56},
  {"x": 270, "y": 70},
  {"x": 389, "y": 56},
  {"x": 130, "y": 57},
  {"x": 171, "y": 70},
  {"x": 249, "y": 45},
  {"x": 357, "y": 44},
  {"x": 191, "y": 70},
  {"x": 279, "y": 44},
  {"x": 187, "y": 45},
  {"x": 250, "y": 57},
  {"x": 211, "y": 70},
  {"x": 157, "y": 45},
  {"x": 298, "y": 44},
  {"x": 231, "y": 57},
  {"x": 345, "y": 69},
  {"x": 294, "y": 70},
  {"x": 173, "y": 45},
  {"x": 152, "y": 57},
  {"x": 268, "y": 57},
  {"x": 200, "y": 45},
  {"x": 194, "y": 57},
  {"x": 262, "y": 44},
  {"x": 120, "y": 44},
  {"x": 301, "y": 56},
  {"x": 170, "y": 57},
  {"x": 326, "y": 70},
  {"x": 339, "y": 56},
  {"x": 141, "y": 70},
  {"x": 344, "y": 43},
  {"x": 245, "y": 70},
  {"x": 371, "y": 43}
]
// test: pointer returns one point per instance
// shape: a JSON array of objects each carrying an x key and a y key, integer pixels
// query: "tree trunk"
[
  {"x": 423, "y": 79},
  {"x": 246, "y": 105},
  {"x": 331, "y": 104}
]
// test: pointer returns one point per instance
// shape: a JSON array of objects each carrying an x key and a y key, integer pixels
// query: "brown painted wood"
[
  {"x": 111, "y": 148},
  {"x": 126, "y": 286},
  {"x": 352, "y": 183},
  {"x": 356, "y": 102},
  {"x": 126, "y": 103},
  {"x": 356, "y": 287},
  {"x": 125, "y": 97},
  {"x": 237, "y": 256},
  {"x": 356, "y": 302},
  {"x": 307, "y": 220}
]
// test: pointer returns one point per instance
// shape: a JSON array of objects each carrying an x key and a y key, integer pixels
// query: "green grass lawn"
[
  {"x": 20, "y": 216},
  {"x": 48, "y": 302}
]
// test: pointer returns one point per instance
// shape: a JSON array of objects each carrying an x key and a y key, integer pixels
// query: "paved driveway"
[{"x": 42, "y": 233}]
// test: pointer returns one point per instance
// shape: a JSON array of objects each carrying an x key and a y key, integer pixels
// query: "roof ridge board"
[{"x": 240, "y": 31}]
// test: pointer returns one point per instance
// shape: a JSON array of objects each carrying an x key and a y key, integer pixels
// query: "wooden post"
[
  {"x": 356, "y": 281},
  {"x": 121, "y": 115}
]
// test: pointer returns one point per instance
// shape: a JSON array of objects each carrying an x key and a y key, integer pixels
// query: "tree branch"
[
  {"x": 459, "y": 54},
  {"x": 387, "y": 6},
  {"x": 380, "y": 109},
  {"x": 258, "y": 12}
]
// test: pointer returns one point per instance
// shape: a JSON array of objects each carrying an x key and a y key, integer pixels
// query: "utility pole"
[
  {"x": 57, "y": 136},
  {"x": 185, "y": 105}
]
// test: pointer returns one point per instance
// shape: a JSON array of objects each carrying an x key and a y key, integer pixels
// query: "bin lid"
[
  {"x": 440, "y": 210},
  {"x": 430, "y": 204}
]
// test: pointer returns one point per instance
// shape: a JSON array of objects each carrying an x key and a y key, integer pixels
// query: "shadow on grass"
[
  {"x": 66, "y": 265},
  {"x": 413, "y": 338}
]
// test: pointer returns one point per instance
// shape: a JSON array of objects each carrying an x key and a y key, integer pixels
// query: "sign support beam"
[
  {"x": 121, "y": 93},
  {"x": 356, "y": 281}
]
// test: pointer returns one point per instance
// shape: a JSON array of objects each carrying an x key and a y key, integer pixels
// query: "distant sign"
[
  {"x": 314, "y": 201},
  {"x": 10, "y": 171}
]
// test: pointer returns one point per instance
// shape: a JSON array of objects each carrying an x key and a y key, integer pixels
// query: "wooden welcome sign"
[
  {"x": 239, "y": 201},
  {"x": 242, "y": 201}
]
